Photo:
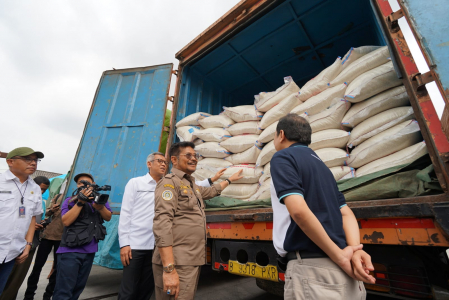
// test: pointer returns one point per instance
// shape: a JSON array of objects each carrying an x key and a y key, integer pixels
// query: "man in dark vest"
[{"x": 83, "y": 229}]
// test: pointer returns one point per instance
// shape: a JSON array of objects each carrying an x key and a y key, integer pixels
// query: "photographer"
[{"x": 83, "y": 229}]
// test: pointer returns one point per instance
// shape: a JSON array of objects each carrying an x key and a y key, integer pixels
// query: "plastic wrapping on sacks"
[
  {"x": 240, "y": 190},
  {"x": 263, "y": 192},
  {"x": 266, "y": 154},
  {"x": 332, "y": 157},
  {"x": 240, "y": 143},
  {"x": 329, "y": 118},
  {"x": 342, "y": 172},
  {"x": 385, "y": 143},
  {"x": 249, "y": 127},
  {"x": 363, "y": 64},
  {"x": 219, "y": 121},
  {"x": 405, "y": 156},
  {"x": 265, "y": 101},
  {"x": 246, "y": 157},
  {"x": 243, "y": 113},
  {"x": 329, "y": 138},
  {"x": 378, "y": 123},
  {"x": 250, "y": 173},
  {"x": 355, "y": 53},
  {"x": 267, "y": 134},
  {"x": 319, "y": 83},
  {"x": 372, "y": 83},
  {"x": 186, "y": 133},
  {"x": 280, "y": 110},
  {"x": 192, "y": 119},
  {"x": 213, "y": 164},
  {"x": 198, "y": 142},
  {"x": 212, "y": 134},
  {"x": 212, "y": 149},
  {"x": 361, "y": 111},
  {"x": 320, "y": 102}
]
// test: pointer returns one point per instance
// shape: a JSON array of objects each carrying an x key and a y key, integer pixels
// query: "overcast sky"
[{"x": 52, "y": 55}]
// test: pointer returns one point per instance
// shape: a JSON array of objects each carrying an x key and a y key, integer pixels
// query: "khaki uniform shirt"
[{"x": 179, "y": 218}]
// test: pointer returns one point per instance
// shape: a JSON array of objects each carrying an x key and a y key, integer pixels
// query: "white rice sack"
[
  {"x": 329, "y": 118},
  {"x": 212, "y": 134},
  {"x": 372, "y": 83},
  {"x": 267, "y": 134},
  {"x": 202, "y": 174},
  {"x": 240, "y": 143},
  {"x": 332, "y": 157},
  {"x": 246, "y": 157},
  {"x": 329, "y": 138},
  {"x": 320, "y": 102},
  {"x": 378, "y": 123},
  {"x": 212, "y": 149},
  {"x": 319, "y": 83},
  {"x": 280, "y": 110},
  {"x": 240, "y": 190},
  {"x": 342, "y": 172},
  {"x": 219, "y": 121},
  {"x": 186, "y": 133},
  {"x": 361, "y": 111},
  {"x": 363, "y": 64},
  {"x": 265, "y": 101},
  {"x": 385, "y": 143},
  {"x": 198, "y": 142},
  {"x": 249, "y": 127},
  {"x": 192, "y": 119},
  {"x": 250, "y": 173},
  {"x": 266, "y": 173},
  {"x": 213, "y": 164},
  {"x": 263, "y": 192},
  {"x": 266, "y": 154},
  {"x": 355, "y": 53},
  {"x": 405, "y": 156},
  {"x": 243, "y": 113}
]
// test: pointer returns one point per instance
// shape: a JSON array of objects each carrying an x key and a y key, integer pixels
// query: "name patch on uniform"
[
  {"x": 5, "y": 192},
  {"x": 167, "y": 195},
  {"x": 169, "y": 185},
  {"x": 184, "y": 187}
]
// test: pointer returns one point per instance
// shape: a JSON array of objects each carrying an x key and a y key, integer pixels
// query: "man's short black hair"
[
  {"x": 296, "y": 129},
  {"x": 176, "y": 148},
  {"x": 42, "y": 179}
]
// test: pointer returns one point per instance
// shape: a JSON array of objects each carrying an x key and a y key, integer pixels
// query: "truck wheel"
[{"x": 274, "y": 288}]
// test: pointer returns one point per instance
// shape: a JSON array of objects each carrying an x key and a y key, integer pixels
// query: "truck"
[{"x": 251, "y": 49}]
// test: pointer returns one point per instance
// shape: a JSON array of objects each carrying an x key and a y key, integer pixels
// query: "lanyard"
[{"x": 23, "y": 195}]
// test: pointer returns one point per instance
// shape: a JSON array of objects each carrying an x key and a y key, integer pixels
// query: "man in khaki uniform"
[{"x": 179, "y": 225}]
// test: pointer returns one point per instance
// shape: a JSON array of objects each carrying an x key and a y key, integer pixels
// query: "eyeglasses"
[
  {"x": 161, "y": 161},
  {"x": 190, "y": 156},
  {"x": 28, "y": 160}
]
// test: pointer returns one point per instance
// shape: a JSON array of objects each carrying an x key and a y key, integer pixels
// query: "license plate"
[{"x": 269, "y": 272}]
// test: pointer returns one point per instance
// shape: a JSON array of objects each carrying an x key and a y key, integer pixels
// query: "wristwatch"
[
  {"x": 170, "y": 268},
  {"x": 29, "y": 244},
  {"x": 229, "y": 181},
  {"x": 80, "y": 204}
]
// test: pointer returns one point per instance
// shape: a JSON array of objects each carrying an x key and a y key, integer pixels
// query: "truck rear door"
[{"x": 124, "y": 125}]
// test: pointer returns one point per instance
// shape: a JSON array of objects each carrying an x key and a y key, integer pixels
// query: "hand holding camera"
[{"x": 89, "y": 192}]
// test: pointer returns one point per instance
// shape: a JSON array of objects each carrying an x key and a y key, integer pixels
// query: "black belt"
[{"x": 305, "y": 255}]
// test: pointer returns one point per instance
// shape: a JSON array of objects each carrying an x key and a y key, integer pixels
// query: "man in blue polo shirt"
[{"x": 314, "y": 229}]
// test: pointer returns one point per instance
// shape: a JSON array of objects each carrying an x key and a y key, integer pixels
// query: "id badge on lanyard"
[{"x": 22, "y": 211}]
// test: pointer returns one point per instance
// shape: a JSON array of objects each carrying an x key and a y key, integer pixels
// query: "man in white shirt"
[
  {"x": 135, "y": 231},
  {"x": 20, "y": 203}
]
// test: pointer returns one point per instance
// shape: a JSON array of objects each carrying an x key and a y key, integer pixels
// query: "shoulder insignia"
[
  {"x": 169, "y": 185},
  {"x": 167, "y": 195}
]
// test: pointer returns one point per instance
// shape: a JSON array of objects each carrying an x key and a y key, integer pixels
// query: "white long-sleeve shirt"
[{"x": 135, "y": 227}]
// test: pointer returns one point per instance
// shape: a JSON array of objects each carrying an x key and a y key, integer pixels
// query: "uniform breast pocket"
[
  {"x": 142, "y": 194},
  {"x": 7, "y": 204}
]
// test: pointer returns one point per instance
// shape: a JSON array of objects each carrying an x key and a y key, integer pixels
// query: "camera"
[{"x": 95, "y": 196}]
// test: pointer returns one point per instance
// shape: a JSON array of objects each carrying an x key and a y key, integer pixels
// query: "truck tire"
[{"x": 274, "y": 288}]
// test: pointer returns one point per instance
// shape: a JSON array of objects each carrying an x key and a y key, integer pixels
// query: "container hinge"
[
  {"x": 392, "y": 20},
  {"x": 175, "y": 72},
  {"x": 171, "y": 98},
  {"x": 420, "y": 80}
]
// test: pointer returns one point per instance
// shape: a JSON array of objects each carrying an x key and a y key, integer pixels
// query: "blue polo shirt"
[{"x": 297, "y": 170}]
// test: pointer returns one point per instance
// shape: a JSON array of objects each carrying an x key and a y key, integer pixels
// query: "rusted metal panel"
[
  {"x": 257, "y": 231},
  {"x": 235, "y": 17}
]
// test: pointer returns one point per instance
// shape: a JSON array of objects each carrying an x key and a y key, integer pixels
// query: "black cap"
[{"x": 83, "y": 174}]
